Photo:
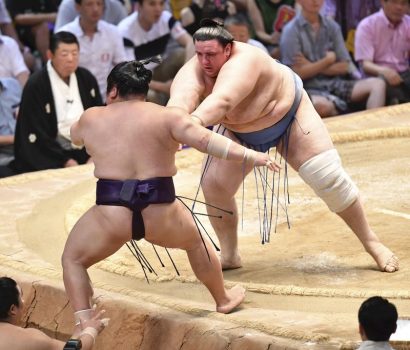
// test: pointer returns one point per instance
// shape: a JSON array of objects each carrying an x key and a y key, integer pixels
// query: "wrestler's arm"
[
  {"x": 75, "y": 133},
  {"x": 187, "y": 87},
  {"x": 185, "y": 130},
  {"x": 236, "y": 80},
  {"x": 76, "y": 130}
]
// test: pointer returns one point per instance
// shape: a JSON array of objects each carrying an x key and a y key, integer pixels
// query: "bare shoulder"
[
  {"x": 37, "y": 340},
  {"x": 190, "y": 74},
  {"x": 247, "y": 57},
  {"x": 92, "y": 112}
]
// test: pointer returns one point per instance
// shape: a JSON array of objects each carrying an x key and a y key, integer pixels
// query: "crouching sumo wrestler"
[{"x": 133, "y": 145}]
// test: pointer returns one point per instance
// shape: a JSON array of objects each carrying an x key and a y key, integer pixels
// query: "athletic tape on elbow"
[
  {"x": 218, "y": 146},
  {"x": 325, "y": 175}
]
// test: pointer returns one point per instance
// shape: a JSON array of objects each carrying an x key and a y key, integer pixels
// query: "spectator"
[
  {"x": 10, "y": 95},
  {"x": 348, "y": 13},
  {"x": 377, "y": 322},
  {"x": 17, "y": 338},
  {"x": 238, "y": 26},
  {"x": 268, "y": 18},
  {"x": 53, "y": 99},
  {"x": 12, "y": 62},
  {"x": 382, "y": 48},
  {"x": 114, "y": 12},
  {"x": 101, "y": 44},
  {"x": 7, "y": 28},
  {"x": 175, "y": 6},
  {"x": 34, "y": 21},
  {"x": 146, "y": 33},
  {"x": 192, "y": 15},
  {"x": 312, "y": 45}
]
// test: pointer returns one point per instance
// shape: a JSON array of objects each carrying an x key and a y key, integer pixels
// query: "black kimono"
[{"x": 35, "y": 145}]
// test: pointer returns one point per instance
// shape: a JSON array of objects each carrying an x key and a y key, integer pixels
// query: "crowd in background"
[{"x": 55, "y": 56}]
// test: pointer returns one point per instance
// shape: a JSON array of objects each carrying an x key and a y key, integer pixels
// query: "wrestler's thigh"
[
  {"x": 175, "y": 228},
  {"x": 308, "y": 136},
  {"x": 99, "y": 233},
  {"x": 223, "y": 178}
]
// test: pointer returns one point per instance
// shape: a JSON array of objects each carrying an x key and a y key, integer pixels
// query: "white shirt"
[
  {"x": 114, "y": 12},
  {"x": 67, "y": 100},
  {"x": 11, "y": 59},
  {"x": 100, "y": 53},
  {"x": 152, "y": 42},
  {"x": 375, "y": 345}
]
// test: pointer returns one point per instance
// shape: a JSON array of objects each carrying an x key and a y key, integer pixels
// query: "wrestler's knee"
[{"x": 325, "y": 175}]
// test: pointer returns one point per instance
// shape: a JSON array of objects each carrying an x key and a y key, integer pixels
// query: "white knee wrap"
[{"x": 325, "y": 175}]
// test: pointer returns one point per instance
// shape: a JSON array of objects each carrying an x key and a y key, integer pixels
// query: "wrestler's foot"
[
  {"x": 384, "y": 257},
  {"x": 235, "y": 297},
  {"x": 232, "y": 263}
]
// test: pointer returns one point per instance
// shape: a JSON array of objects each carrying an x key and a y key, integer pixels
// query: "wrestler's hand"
[
  {"x": 97, "y": 321},
  {"x": 263, "y": 159}
]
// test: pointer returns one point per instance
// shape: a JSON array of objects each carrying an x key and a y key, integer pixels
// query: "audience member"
[
  {"x": 7, "y": 28},
  {"x": 53, "y": 99},
  {"x": 146, "y": 33},
  {"x": 10, "y": 95},
  {"x": 101, "y": 44},
  {"x": 175, "y": 6},
  {"x": 348, "y": 14},
  {"x": 238, "y": 26},
  {"x": 377, "y": 322},
  {"x": 34, "y": 21},
  {"x": 114, "y": 12},
  {"x": 382, "y": 48},
  {"x": 312, "y": 45},
  {"x": 192, "y": 15},
  {"x": 268, "y": 18},
  {"x": 13, "y": 336},
  {"x": 12, "y": 62}
]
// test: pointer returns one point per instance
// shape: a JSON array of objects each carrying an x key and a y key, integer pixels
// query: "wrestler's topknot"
[
  {"x": 213, "y": 30},
  {"x": 130, "y": 78}
]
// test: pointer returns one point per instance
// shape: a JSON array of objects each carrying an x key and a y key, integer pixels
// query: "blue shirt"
[{"x": 298, "y": 37}]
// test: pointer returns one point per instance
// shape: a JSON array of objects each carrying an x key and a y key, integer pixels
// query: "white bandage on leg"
[
  {"x": 218, "y": 146},
  {"x": 325, "y": 175},
  {"x": 83, "y": 314}
]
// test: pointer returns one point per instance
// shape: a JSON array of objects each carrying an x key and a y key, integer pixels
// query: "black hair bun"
[{"x": 208, "y": 22}]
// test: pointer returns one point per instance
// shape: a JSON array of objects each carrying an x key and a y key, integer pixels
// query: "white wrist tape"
[
  {"x": 325, "y": 175},
  {"x": 91, "y": 331},
  {"x": 218, "y": 146},
  {"x": 83, "y": 314},
  {"x": 249, "y": 157}
]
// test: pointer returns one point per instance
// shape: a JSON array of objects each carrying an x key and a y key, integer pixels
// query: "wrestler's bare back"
[
  {"x": 130, "y": 140},
  {"x": 267, "y": 85}
]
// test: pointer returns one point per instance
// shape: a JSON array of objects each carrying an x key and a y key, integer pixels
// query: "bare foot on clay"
[
  {"x": 230, "y": 264},
  {"x": 235, "y": 297},
  {"x": 385, "y": 259}
]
